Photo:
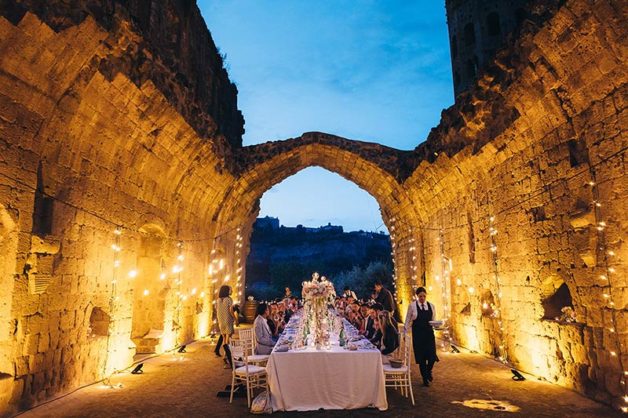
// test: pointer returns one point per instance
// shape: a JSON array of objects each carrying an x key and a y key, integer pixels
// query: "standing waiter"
[{"x": 423, "y": 342}]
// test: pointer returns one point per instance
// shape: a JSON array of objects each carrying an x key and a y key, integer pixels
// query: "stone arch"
[
  {"x": 99, "y": 322},
  {"x": 150, "y": 290},
  {"x": 555, "y": 295},
  {"x": 370, "y": 166}
]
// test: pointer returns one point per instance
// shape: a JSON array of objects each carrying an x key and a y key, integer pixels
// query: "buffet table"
[{"x": 307, "y": 379}]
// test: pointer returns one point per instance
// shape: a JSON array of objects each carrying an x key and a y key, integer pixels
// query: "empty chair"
[
  {"x": 244, "y": 372},
  {"x": 248, "y": 337},
  {"x": 400, "y": 378}
]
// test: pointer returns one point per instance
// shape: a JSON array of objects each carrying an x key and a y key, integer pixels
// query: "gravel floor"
[{"x": 186, "y": 386}]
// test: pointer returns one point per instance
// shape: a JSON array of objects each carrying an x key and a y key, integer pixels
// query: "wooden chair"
[
  {"x": 244, "y": 372},
  {"x": 250, "y": 340},
  {"x": 400, "y": 378}
]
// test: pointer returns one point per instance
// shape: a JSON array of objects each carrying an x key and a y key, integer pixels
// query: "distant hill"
[{"x": 285, "y": 256}]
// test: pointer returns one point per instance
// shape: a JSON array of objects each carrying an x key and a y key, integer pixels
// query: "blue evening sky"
[{"x": 373, "y": 70}]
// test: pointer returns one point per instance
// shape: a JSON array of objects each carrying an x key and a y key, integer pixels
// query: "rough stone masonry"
[{"x": 126, "y": 197}]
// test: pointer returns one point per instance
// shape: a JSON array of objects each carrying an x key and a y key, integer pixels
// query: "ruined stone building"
[
  {"x": 127, "y": 198},
  {"x": 477, "y": 29}
]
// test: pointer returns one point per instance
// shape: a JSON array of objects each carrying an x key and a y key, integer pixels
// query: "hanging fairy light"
[
  {"x": 176, "y": 270},
  {"x": 445, "y": 272},
  {"x": 606, "y": 256},
  {"x": 116, "y": 249},
  {"x": 502, "y": 350}
]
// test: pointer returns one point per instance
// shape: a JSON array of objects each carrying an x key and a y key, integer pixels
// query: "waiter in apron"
[{"x": 423, "y": 342}]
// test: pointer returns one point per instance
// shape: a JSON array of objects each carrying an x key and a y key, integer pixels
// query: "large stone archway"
[{"x": 372, "y": 167}]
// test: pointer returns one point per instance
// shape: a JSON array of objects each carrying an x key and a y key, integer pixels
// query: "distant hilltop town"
[{"x": 269, "y": 223}]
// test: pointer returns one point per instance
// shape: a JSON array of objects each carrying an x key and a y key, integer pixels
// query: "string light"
[
  {"x": 610, "y": 270},
  {"x": 446, "y": 266},
  {"x": 502, "y": 354}
]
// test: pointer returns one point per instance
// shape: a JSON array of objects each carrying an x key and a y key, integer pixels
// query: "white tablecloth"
[{"x": 308, "y": 379}]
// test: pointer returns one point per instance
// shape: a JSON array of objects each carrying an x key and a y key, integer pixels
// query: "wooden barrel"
[{"x": 250, "y": 310}]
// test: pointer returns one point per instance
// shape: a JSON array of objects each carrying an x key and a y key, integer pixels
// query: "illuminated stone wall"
[
  {"x": 82, "y": 152},
  {"x": 527, "y": 193}
]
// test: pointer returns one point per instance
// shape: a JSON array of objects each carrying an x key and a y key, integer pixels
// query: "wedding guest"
[
  {"x": 376, "y": 339},
  {"x": 364, "y": 315},
  {"x": 384, "y": 297},
  {"x": 288, "y": 310},
  {"x": 263, "y": 334},
  {"x": 369, "y": 328},
  {"x": 226, "y": 319},
  {"x": 423, "y": 342},
  {"x": 349, "y": 293},
  {"x": 272, "y": 324},
  {"x": 387, "y": 334},
  {"x": 364, "y": 310},
  {"x": 288, "y": 293}
]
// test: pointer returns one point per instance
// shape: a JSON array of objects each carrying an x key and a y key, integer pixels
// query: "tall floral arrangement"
[{"x": 318, "y": 294}]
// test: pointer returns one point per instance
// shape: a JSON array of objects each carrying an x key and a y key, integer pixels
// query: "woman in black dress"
[{"x": 423, "y": 342}]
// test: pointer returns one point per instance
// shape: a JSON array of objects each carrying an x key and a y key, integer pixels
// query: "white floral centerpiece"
[{"x": 318, "y": 294}]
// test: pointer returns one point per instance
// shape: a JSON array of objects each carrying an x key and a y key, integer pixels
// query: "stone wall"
[
  {"x": 83, "y": 153},
  {"x": 517, "y": 206},
  {"x": 171, "y": 47}
]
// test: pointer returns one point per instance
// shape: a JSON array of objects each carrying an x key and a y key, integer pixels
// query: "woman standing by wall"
[{"x": 226, "y": 318}]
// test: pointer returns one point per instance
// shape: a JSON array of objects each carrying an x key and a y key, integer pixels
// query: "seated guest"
[
  {"x": 364, "y": 310},
  {"x": 387, "y": 334},
  {"x": 272, "y": 321},
  {"x": 288, "y": 310},
  {"x": 263, "y": 335},
  {"x": 369, "y": 324},
  {"x": 377, "y": 338}
]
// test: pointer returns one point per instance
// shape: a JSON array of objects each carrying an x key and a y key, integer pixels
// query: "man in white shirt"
[
  {"x": 412, "y": 312},
  {"x": 420, "y": 313},
  {"x": 263, "y": 334}
]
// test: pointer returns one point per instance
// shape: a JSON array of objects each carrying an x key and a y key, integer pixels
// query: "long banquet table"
[{"x": 336, "y": 378}]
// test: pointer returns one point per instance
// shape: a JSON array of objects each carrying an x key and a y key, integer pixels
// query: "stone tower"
[{"x": 477, "y": 29}]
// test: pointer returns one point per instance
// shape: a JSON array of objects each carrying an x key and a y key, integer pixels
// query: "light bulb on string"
[{"x": 132, "y": 274}]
